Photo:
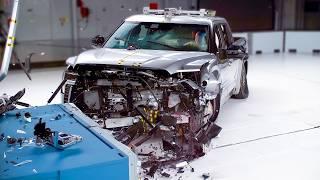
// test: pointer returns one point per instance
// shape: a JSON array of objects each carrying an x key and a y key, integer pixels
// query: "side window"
[
  {"x": 226, "y": 33},
  {"x": 216, "y": 37},
  {"x": 223, "y": 36},
  {"x": 220, "y": 37}
]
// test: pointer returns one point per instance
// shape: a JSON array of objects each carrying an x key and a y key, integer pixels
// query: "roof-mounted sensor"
[{"x": 169, "y": 12}]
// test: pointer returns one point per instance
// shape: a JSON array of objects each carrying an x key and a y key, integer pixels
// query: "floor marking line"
[{"x": 266, "y": 137}]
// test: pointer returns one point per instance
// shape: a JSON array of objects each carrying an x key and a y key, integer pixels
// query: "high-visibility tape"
[
  {"x": 13, "y": 21},
  {"x": 136, "y": 64},
  {"x": 11, "y": 38},
  {"x": 121, "y": 61}
]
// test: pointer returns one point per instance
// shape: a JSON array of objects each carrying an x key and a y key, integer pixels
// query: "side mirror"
[
  {"x": 222, "y": 54},
  {"x": 98, "y": 41},
  {"x": 238, "y": 44}
]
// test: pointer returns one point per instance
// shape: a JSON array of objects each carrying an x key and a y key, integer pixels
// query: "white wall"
[
  {"x": 302, "y": 41},
  {"x": 52, "y": 19},
  {"x": 42, "y": 20},
  {"x": 267, "y": 42}
]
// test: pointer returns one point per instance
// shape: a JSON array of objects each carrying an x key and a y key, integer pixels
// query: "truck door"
[
  {"x": 224, "y": 64},
  {"x": 235, "y": 62}
]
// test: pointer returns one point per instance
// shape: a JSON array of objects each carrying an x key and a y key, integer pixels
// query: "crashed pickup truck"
[{"x": 163, "y": 74}]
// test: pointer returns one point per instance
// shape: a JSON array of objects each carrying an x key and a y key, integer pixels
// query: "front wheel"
[{"x": 244, "y": 90}]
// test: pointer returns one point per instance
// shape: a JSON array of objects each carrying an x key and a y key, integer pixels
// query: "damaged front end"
[{"x": 143, "y": 105}]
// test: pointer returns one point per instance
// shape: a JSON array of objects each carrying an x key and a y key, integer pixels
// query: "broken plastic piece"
[
  {"x": 180, "y": 170},
  {"x": 18, "y": 114},
  {"x": 164, "y": 174},
  {"x": 35, "y": 171},
  {"x": 11, "y": 141},
  {"x": 2, "y": 137},
  {"x": 20, "y": 141},
  {"x": 57, "y": 139},
  {"x": 20, "y": 131},
  {"x": 182, "y": 164},
  {"x": 23, "y": 162},
  {"x": 27, "y": 117},
  {"x": 205, "y": 176},
  {"x": 58, "y": 117},
  {"x": 64, "y": 140},
  {"x": 153, "y": 170}
]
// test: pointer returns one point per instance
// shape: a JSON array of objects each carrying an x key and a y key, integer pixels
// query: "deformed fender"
[
  {"x": 71, "y": 61},
  {"x": 211, "y": 80}
]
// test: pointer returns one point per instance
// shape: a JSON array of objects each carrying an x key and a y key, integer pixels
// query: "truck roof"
[{"x": 178, "y": 19}]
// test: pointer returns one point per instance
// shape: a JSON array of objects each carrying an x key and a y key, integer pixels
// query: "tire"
[{"x": 244, "y": 90}]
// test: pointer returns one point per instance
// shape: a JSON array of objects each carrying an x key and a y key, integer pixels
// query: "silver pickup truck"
[{"x": 162, "y": 73}]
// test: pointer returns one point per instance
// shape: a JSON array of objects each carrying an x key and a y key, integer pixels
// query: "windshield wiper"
[
  {"x": 165, "y": 45},
  {"x": 130, "y": 44}
]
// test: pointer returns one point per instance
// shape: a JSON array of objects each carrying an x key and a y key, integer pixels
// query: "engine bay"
[{"x": 140, "y": 105}]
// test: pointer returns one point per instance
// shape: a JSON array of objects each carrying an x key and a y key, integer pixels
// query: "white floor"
[{"x": 271, "y": 135}]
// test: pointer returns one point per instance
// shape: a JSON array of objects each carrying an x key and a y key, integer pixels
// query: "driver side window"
[
  {"x": 222, "y": 36},
  {"x": 218, "y": 38}
]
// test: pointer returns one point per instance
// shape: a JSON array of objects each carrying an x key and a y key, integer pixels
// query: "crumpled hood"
[{"x": 171, "y": 61}]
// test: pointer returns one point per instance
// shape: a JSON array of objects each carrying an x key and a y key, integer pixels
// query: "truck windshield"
[{"x": 160, "y": 36}]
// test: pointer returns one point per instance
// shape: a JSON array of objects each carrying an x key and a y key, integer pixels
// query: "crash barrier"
[
  {"x": 266, "y": 42},
  {"x": 282, "y": 41},
  {"x": 263, "y": 42},
  {"x": 302, "y": 41}
]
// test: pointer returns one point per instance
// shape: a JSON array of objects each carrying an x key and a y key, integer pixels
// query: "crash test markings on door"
[{"x": 271, "y": 135}]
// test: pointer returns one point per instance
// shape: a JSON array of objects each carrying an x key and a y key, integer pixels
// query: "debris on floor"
[
  {"x": 181, "y": 164},
  {"x": 164, "y": 174},
  {"x": 153, "y": 170},
  {"x": 180, "y": 170},
  {"x": 205, "y": 175}
]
